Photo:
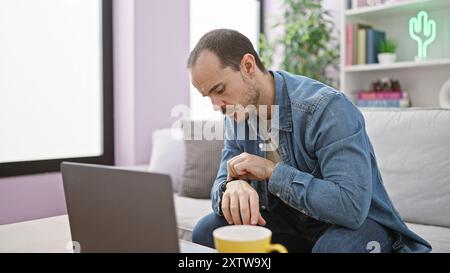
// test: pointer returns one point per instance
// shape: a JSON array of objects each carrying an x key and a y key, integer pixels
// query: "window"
[
  {"x": 205, "y": 15},
  {"x": 55, "y": 84}
]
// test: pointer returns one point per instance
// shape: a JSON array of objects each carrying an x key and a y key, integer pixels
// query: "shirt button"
[
  {"x": 263, "y": 207},
  {"x": 278, "y": 194},
  {"x": 261, "y": 145}
]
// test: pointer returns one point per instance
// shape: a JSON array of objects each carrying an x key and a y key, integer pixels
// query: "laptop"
[{"x": 118, "y": 210}]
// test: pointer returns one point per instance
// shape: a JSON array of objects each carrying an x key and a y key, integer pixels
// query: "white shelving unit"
[
  {"x": 397, "y": 65},
  {"x": 423, "y": 79}
]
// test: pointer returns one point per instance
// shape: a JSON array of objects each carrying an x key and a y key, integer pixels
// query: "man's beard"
[
  {"x": 249, "y": 105},
  {"x": 252, "y": 96}
]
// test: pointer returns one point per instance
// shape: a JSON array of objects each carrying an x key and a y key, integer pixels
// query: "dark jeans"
[{"x": 300, "y": 233}]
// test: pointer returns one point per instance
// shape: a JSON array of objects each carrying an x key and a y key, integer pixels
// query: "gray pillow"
[{"x": 202, "y": 159}]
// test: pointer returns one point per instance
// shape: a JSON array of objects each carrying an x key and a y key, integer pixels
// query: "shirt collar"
[{"x": 284, "y": 103}]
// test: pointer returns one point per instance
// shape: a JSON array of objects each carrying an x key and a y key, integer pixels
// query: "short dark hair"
[{"x": 228, "y": 45}]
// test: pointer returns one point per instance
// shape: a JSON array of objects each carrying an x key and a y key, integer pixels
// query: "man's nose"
[{"x": 217, "y": 104}]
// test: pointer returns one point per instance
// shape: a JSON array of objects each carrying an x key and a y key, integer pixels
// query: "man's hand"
[
  {"x": 249, "y": 167},
  {"x": 240, "y": 204}
]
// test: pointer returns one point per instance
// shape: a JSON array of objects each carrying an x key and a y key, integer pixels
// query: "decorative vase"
[{"x": 386, "y": 58}]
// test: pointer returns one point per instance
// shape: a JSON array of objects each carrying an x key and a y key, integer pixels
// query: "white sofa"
[{"x": 413, "y": 152}]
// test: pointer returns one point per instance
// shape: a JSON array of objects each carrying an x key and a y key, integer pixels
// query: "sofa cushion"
[
  {"x": 412, "y": 147},
  {"x": 438, "y": 237},
  {"x": 202, "y": 159},
  {"x": 188, "y": 211},
  {"x": 168, "y": 154}
]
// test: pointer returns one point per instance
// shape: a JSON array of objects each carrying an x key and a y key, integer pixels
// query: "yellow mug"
[{"x": 245, "y": 239}]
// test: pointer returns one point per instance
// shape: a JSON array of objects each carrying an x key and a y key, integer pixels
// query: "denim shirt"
[{"x": 329, "y": 170}]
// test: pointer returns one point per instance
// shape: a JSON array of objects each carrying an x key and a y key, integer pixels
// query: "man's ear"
[{"x": 248, "y": 65}]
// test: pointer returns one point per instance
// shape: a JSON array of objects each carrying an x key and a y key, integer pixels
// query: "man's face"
[{"x": 224, "y": 86}]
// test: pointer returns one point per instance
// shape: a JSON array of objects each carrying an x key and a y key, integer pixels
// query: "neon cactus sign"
[{"x": 422, "y": 27}]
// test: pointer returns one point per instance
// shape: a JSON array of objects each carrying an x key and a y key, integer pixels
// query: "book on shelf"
[
  {"x": 362, "y": 3},
  {"x": 373, "y": 40},
  {"x": 402, "y": 103},
  {"x": 383, "y": 103},
  {"x": 381, "y": 95},
  {"x": 349, "y": 4},
  {"x": 362, "y": 33},
  {"x": 350, "y": 44},
  {"x": 354, "y": 4},
  {"x": 355, "y": 44}
]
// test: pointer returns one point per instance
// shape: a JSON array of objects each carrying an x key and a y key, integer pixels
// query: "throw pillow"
[
  {"x": 202, "y": 160},
  {"x": 168, "y": 154}
]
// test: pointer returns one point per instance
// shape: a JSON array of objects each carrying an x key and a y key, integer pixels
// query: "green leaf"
[{"x": 307, "y": 42}]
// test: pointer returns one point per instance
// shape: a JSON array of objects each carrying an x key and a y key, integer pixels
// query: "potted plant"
[
  {"x": 307, "y": 42},
  {"x": 386, "y": 52}
]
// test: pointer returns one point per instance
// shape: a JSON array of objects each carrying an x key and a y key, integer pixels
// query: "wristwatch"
[{"x": 223, "y": 187}]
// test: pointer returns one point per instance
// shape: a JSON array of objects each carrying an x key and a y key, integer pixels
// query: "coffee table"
[{"x": 53, "y": 235}]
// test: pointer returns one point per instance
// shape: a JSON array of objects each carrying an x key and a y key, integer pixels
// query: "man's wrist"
[
  {"x": 271, "y": 170},
  {"x": 225, "y": 184}
]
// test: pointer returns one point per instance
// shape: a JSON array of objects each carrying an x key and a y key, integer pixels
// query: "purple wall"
[
  {"x": 124, "y": 70},
  {"x": 29, "y": 197},
  {"x": 162, "y": 80},
  {"x": 151, "y": 46}
]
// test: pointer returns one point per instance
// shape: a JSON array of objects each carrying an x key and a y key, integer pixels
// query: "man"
[{"x": 320, "y": 189}]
